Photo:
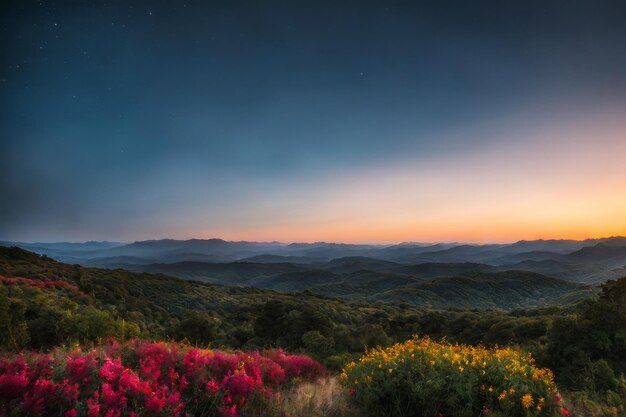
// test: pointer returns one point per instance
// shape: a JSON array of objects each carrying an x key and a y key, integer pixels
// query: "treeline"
[{"x": 584, "y": 344}]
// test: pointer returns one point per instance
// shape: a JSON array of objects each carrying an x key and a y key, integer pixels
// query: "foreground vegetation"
[
  {"x": 147, "y": 379},
  {"x": 423, "y": 377},
  {"x": 45, "y": 304}
]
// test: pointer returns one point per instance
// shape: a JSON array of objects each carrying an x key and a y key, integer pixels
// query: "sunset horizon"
[
  {"x": 487, "y": 134},
  {"x": 422, "y": 242},
  {"x": 346, "y": 208}
]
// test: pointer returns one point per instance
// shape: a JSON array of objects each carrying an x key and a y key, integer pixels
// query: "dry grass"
[{"x": 324, "y": 398}]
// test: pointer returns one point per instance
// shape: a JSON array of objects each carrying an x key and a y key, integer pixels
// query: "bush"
[
  {"x": 422, "y": 377},
  {"x": 139, "y": 378}
]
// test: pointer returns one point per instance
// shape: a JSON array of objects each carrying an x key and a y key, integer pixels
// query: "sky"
[{"x": 365, "y": 121}]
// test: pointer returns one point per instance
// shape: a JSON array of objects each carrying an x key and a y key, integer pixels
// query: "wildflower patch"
[
  {"x": 421, "y": 377},
  {"x": 139, "y": 378}
]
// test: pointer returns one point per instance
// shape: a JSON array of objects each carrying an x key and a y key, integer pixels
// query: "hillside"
[
  {"x": 589, "y": 261},
  {"x": 440, "y": 285},
  {"x": 503, "y": 290},
  {"x": 225, "y": 273},
  {"x": 235, "y": 316}
]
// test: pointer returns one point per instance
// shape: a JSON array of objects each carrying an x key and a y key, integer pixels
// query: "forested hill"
[
  {"x": 86, "y": 303},
  {"x": 438, "y": 285}
]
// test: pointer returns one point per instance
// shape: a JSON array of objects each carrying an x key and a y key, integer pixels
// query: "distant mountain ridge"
[{"x": 589, "y": 260}]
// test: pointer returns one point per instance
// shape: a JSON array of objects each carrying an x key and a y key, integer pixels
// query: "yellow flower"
[
  {"x": 490, "y": 389},
  {"x": 461, "y": 369},
  {"x": 502, "y": 395},
  {"x": 527, "y": 400}
]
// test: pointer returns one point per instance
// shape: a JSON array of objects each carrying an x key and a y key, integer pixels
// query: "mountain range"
[
  {"x": 588, "y": 261},
  {"x": 359, "y": 279}
]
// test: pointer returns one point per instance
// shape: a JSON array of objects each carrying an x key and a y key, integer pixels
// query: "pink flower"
[
  {"x": 183, "y": 383},
  {"x": 240, "y": 385},
  {"x": 79, "y": 368},
  {"x": 71, "y": 392},
  {"x": 174, "y": 398},
  {"x": 564, "y": 412},
  {"x": 13, "y": 386},
  {"x": 93, "y": 409},
  {"x": 111, "y": 370},
  {"x": 212, "y": 387},
  {"x": 93, "y": 406},
  {"x": 35, "y": 400},
  {"x": 154, "y": 377},
  {"x": 113, "y": 399},
  {"x": 156, "y": 402},
  {"x": 229, "y": 411}
]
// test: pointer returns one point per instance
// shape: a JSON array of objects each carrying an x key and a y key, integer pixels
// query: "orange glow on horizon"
[
  {"x": 560, "y": 182},
  {"x": 510, "y": 234}
]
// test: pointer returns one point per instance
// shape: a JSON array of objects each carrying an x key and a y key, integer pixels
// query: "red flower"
[
  {"x": 229, "y": 411},
  {"x": 113, "y": 399},
  {"x": 93, "y": 407},
  {"x": 71, "y": 392},
  {"x": 212, "y": 387},
  {"x": 156, "y": 400},
  {"x": 13, "y": 386},
  {"x": 80, "y": 368},
  {"x": 111, "y": 370},
  {"x": 154, "y": 378},
  {"x": 35, "y": 400}
]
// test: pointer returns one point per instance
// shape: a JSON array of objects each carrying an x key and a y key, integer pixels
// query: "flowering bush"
[
  {"x": 139, "y": 378},
  {"x": 422, "y": 377},
  {"x": 40, "y": 283}
]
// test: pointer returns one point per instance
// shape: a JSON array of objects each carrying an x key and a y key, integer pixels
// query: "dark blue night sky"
[{"x": 348, "y": 121}]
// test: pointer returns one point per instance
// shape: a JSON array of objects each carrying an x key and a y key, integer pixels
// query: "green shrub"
[{"x": 425, "y": 378}]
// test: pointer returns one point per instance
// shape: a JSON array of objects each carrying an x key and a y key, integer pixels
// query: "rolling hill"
[
  {"x": 589, "y": 261},
  {"x": 444, "y": 285}
]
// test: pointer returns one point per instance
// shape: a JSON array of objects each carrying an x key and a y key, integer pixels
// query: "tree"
[
  {"x": 199, "y": 327},
  {"x": 317, "y": 344}
]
